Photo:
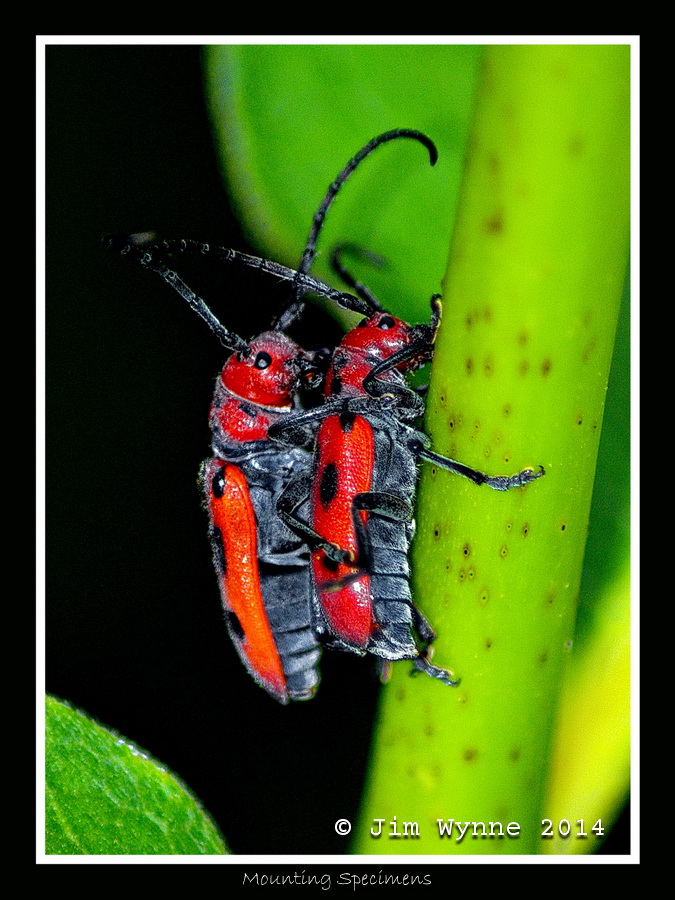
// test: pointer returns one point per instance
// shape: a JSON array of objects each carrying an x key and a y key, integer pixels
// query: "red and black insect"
[
  {"x": 262, "y": 565},
  {"x": 362, "y": 488}
]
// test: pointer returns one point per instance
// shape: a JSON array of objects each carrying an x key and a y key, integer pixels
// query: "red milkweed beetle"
[
  {"x": 362, "y": 487},
  {"x": 262, "y": 566}
]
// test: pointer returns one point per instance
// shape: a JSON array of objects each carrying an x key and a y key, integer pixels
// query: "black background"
[{"x": 134, "y": 630}]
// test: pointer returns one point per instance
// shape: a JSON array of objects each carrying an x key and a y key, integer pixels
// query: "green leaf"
[{"x": 106, "y": 796}]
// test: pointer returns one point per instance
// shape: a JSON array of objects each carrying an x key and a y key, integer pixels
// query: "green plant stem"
[{"x": 531, "y": 298}]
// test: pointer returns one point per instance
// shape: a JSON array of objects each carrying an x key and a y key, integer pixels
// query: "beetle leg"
[{"x": 496, "y": 482}]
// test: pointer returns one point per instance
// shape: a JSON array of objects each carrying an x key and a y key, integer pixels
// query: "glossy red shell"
[
  {"x": 344, "y": 590},
  {"x": 269, "y": 375},
  {"x": 233, "y": 515}
]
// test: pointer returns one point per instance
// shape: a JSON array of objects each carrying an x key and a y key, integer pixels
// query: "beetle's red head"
[
  {"x": 376, "y": 339},
  {"x": 380, "y": 336},
  {"x": 271, "y": 372}
]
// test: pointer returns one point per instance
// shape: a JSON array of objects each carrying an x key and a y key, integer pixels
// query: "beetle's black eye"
[
  {"x": 386, "y": 322},
  {"x": 262, "y": 360}
]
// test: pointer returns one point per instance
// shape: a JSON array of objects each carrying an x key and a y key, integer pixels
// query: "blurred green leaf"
[
  {"x": 288, "y": 118},
  {"x": 106, "y": 796},
  {"x": 591, "y": 753}
]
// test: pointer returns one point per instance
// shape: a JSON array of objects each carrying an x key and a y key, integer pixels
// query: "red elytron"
[{"x": 359, "y": 474}]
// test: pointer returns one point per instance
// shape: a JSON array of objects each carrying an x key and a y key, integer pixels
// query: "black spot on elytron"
[
  {"x": 347, "y": 419},
  {"x": 234, "y": 625},
  {"x": 385, "y": 323},
  {"x": 218, "y": 484},
  {"x": 336, "y": 385},
  {"x": 262, "y": 360},
  {"x": 220, "y": 562},
  {"x": 362, "y": 323},
  {"x": 328, "y": 485}
]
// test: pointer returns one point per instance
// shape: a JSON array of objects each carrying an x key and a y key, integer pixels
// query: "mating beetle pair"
[{"x": 311, "y": 511}]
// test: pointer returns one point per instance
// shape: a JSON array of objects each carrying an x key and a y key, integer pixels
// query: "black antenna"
[
  {"x": 294, "y": 309},
  {"x": 152, "y": 256},
  {"x": 358, "y": 287}
]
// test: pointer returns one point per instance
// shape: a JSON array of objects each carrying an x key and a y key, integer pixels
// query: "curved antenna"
[{"x": 294, "y": 309}]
